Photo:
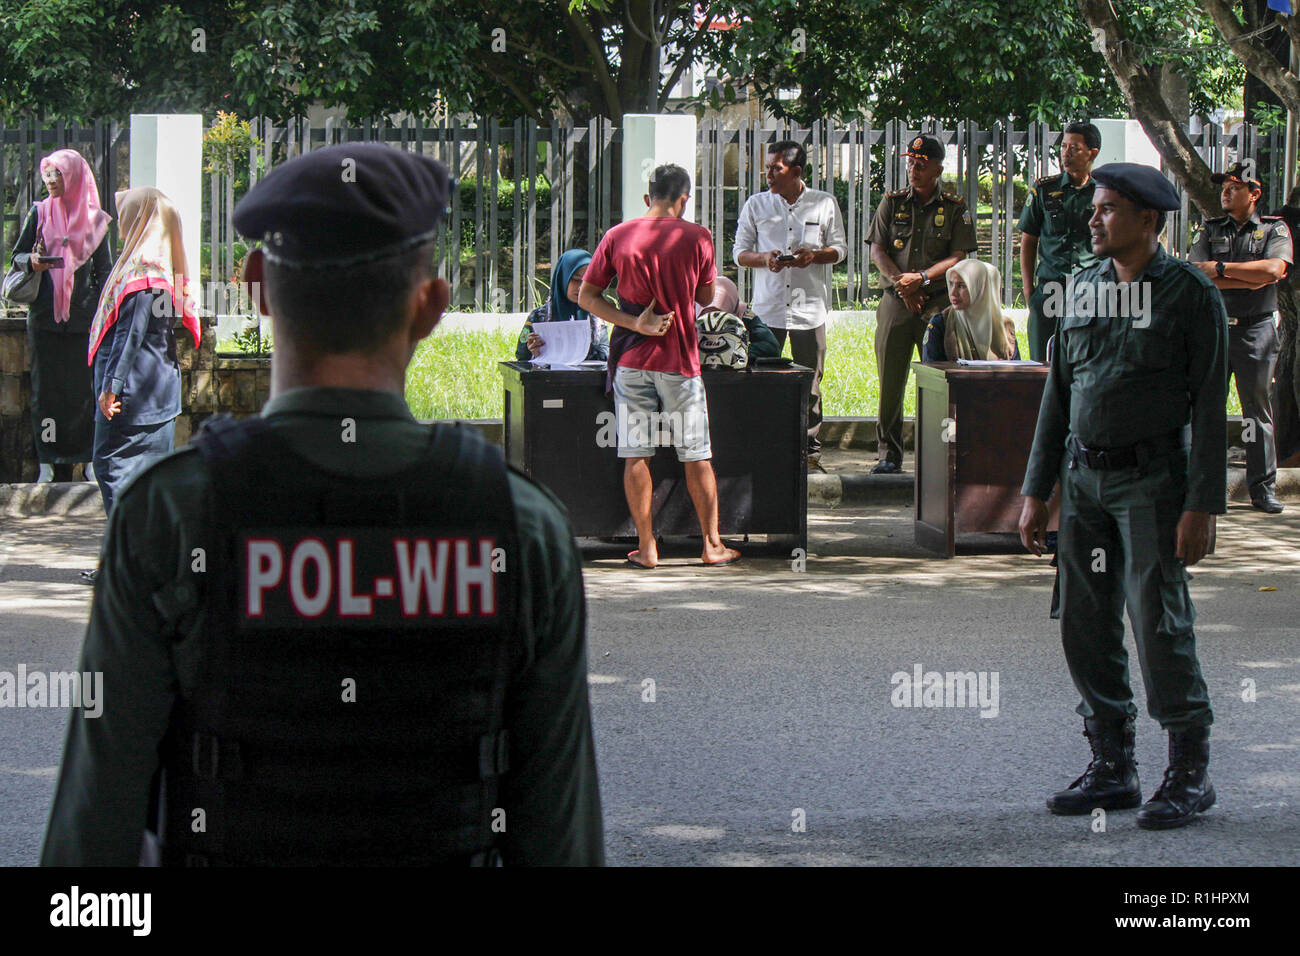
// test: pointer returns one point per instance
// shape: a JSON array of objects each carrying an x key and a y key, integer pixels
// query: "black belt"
[
  {"x": 1125, "y": 456},
  {"x": 1249, "y": 319}
]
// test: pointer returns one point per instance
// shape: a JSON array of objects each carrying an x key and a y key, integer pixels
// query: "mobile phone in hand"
[
  {"x": 786, "y": 258},
  {"x": 52, "y": 261}
]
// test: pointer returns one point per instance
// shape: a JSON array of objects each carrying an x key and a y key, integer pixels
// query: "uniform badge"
[
  {"x": 918, "y": 143},
  {"x": 965, "y": 217},
  {"x": 1259, "y": 234},
  {"x": 898, "y": 243},
  {"x": 938, "y": 219}
]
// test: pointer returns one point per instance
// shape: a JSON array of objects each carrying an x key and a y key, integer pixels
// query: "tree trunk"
[{"x": 1147, "y": 103}]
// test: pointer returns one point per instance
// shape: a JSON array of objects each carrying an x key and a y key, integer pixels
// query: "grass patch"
[{"x": 454, "y": 374}]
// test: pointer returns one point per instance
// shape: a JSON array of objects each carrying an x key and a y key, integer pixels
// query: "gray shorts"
[{"x": 643, "y": 425}]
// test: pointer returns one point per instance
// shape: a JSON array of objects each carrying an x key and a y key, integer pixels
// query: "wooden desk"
[
  {"x": 974, "y": 431},
  {"x": 757, "y": 431}
]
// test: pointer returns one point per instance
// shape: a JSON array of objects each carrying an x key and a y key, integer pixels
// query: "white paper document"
[
  {"x": 564, "y": 343},
  {"x": 995, "y": 363}
]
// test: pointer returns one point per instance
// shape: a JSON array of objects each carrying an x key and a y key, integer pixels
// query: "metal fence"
[
  {"x": 527, "y": 193},
  {"x": 500, "y": 259}
]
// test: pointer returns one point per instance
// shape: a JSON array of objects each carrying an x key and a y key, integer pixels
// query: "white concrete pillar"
[
  {"x": 1125, "y": 141},
  {"x": 167, "y": 152},
  {"x": 650, "y": 140}
]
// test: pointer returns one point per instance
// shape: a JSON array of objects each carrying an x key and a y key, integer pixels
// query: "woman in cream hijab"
[
  {"x": 133, "y": 341},
  {"x": 974, "y": 326}
]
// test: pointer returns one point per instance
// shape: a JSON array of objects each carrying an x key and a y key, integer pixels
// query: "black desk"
[
  {"x": 757, "y": 429},
  {"x": 974, "y": 431}
]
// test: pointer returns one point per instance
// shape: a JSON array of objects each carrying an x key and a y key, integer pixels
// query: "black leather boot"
[
  {"x": 1111, "y": 780},
  {"x": 1186, "y": 789},
  {"x": 1265, "y": 499}
]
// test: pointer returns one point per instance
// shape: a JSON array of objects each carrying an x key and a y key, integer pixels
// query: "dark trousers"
[
  {"x": 899, "y": 336},
  {"x": 1252, "y": 356},
  {"x": 808, "y": 348},
  {"x": 1116, "y": 548},
  {"x": 121, "y": 450},
  {"x": 1041, "y": 327}
]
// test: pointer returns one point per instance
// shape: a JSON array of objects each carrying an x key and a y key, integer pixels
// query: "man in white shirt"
[{"x": 791, "y": 236}]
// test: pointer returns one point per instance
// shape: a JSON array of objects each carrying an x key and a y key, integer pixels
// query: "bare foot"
[
  {"x": 650, "y": 560},
  {"x": 719, "y": 555}
]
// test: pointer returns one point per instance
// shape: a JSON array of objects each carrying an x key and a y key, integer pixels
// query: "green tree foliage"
[
  {"x": 950, "y": 59},
  {"x": 979, "y": 60}
]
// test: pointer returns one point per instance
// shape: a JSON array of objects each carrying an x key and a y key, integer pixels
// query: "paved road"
[{"x": 772, "y": 695}]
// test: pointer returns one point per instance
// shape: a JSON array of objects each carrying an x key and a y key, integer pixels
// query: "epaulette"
[
  {"x": 1047, "y": 180},
  {"x": 950, "y": 197},
  {"x": 1264, "y": 218},
  {"x": 897, "y": 193}
]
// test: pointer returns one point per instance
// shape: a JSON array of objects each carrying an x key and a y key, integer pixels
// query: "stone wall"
[{"x": 209, "y": 385}]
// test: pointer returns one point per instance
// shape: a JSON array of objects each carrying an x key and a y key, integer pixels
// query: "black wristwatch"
[{"x": 1218, "y": 267}]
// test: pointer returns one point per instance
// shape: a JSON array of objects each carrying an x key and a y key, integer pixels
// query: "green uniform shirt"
[
  {"x": 145, "y": 621},
  {"x": 916, "y": 235},
  {"x": 1057, "y": 213},
  {"x": 1121, "y": 376}
]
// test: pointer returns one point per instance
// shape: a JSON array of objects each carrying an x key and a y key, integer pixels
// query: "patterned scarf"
[{"x": 153, "y": 257}]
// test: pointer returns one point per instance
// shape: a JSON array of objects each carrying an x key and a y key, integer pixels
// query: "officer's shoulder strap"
[
  {"x": 897, "y": 193},
  {"x": 1047, "y": 180},
  {"x": 950, "y": 197}
]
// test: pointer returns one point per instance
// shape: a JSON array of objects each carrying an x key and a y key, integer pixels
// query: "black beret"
[
  {"x": 345, "y": 204},
  {"x": 1238, "y": 173},
  {"x": 1142, "y": 185},
  {"x": 926, "y": 146}
]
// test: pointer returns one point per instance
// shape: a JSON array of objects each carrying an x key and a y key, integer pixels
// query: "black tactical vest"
[{"x": 355, "y": 651}]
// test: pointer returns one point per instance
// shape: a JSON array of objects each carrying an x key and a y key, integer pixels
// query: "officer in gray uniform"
[
  {"x": 1245, "y": 255},
  {"x": 1141, "y": 354}
]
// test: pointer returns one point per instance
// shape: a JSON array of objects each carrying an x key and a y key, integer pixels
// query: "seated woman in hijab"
[
  {"x": 562, "y": 306},
  {"x": 974, "y": 326},
  {"x": 726, "y": 298}
]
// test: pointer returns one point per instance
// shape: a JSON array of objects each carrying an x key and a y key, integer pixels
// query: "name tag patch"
[{"x": 366, "y": 576}]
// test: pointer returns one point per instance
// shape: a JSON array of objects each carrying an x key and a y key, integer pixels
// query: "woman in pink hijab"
[{"x": 65, "y": 236}]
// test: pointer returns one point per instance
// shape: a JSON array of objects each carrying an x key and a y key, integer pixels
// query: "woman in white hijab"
[{"x": 974, "y": 326}]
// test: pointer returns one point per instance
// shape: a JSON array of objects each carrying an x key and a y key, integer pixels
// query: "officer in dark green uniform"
[
  {"x": 1054, "y": 228},
  {"x": 1245, "y": 255},
  {"x": 1141, "y": 354},
  {"x": 919, "y": 233},
  {"x": 329, "y": 634}
]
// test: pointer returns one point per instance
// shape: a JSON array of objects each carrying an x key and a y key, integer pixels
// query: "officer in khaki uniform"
[
  {"x": 345, "y": 637},
  {"x": 918, "y": 234},
  {"x": 1245, "y": 255},
  {"x": 1140, "y": 355},
  {"x": 1054, "y": 229}
]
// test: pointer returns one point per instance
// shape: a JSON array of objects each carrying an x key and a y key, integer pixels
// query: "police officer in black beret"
[
  {"x": 1140, "y": 355},
  {"x": 1245, "y": 255},
  {"x": 329, "y": 634}
]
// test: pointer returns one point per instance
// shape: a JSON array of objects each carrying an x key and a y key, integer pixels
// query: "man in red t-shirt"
[{"x": 660, "y": 260}]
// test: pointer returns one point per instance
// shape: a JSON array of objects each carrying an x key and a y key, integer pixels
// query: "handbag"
[{"x": 21, "y": 285}]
